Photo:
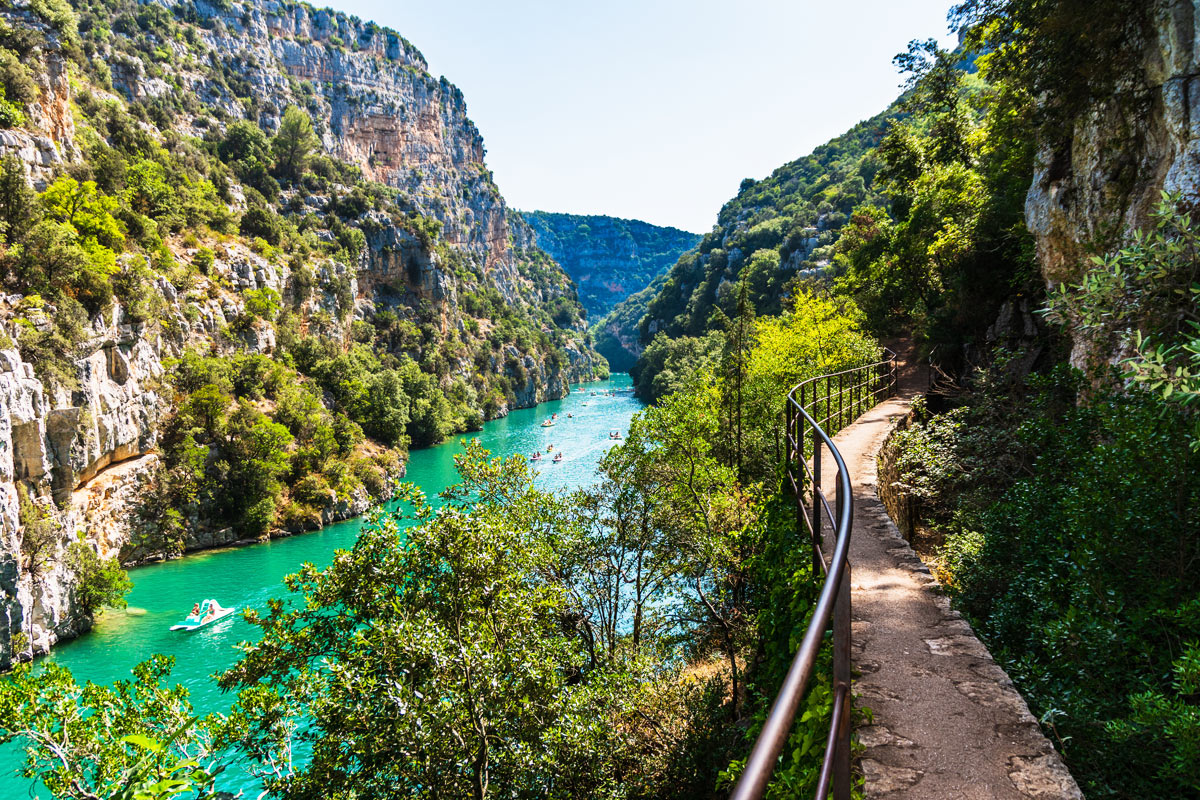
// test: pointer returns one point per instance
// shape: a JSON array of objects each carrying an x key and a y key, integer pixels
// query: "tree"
[
  {"x": 99, "y": 582},
  {"x": 433, "y": 660},
  {"x": 149, "y": 190},
  {"x": 52, "y": 260},
  {"x": 18, "y": 203},
  {"x": 82, "y": 206},
  {"x": 293, "y": 144},
  {"x": 135, "y": 739},
  {"x": 735, "y": 356},
  {"x": 244, "y": 146},
  {"x": 262, "y": 222}
]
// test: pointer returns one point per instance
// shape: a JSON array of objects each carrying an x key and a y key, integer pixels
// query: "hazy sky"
[{"x": 656, "y": 109}]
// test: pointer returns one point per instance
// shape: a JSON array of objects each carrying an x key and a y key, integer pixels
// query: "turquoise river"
[{"x": 246, "y": 577}]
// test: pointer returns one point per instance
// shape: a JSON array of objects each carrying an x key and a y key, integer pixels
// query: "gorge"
[
  {"x": 375, "y": 228},
  {"x": 247, "y": 577},
  {"x": 258, "y": 279}
]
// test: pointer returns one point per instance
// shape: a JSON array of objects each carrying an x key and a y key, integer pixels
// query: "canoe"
[{"x": 195, "y": 626}]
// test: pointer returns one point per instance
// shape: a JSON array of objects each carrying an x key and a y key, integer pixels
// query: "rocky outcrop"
[
  {"x": 375, "y": 106},
  {"x": 1104, "y": 179}
]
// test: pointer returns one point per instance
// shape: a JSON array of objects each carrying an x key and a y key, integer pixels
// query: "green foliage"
[
  {"x": 456, "y": 620},
  {"x": 1145, "y": 296},
  {"x": 668, "y": 364},
  {"x": 1067, "y": 544},
  {"x": 18, "y": 203},
  {"x": 40, "y": 536},
  {"x": 294, "y": 144},
  {"x": 241, "y": 465},
  {"x": 263, "y": 223},
  {"x": 1070, "y": 54},
  {"x": 262, "y": 303},
  {"x": 100, "y": 582},
  {"x": 135, "y": 740},
  {"x": 952, "y": 245}
]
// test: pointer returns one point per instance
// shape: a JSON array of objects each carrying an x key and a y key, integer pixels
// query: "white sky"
[{"x": 656, "y": 110}]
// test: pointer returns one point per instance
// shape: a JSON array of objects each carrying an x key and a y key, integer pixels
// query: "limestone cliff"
[
  {"x": 402, "y": 245},
  {"x": 1101, "y": 182}
]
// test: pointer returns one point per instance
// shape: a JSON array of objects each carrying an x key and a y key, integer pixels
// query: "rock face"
[
  {"x": 1104, "y": 181},
  {"x": 375, "y": 106},
  {"x": 85, "y": 450},
  {"x": 608, "y": 258}
]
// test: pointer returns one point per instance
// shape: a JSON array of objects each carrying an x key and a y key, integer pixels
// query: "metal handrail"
[{"x": 875, "y": 382}]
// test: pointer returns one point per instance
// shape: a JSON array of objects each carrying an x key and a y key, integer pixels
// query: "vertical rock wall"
[{"x": 1122, "y": 155}]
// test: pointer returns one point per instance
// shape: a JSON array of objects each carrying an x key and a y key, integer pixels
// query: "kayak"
[{"x": 194, "y": 624}]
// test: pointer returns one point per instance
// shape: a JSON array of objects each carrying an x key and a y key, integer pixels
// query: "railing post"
[
  {"x": 841, "y": 667},
  {"x": 841, "y": 404},
  {"x": 818, "y": 566}
]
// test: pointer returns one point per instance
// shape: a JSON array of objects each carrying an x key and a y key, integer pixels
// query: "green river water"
[{"x": 246, "y": 577}]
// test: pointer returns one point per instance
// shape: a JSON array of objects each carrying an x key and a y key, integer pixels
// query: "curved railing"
[{"x": 845, "y": 395}]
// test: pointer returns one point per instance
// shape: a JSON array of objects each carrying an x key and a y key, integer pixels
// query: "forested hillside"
[
  {"x": 777, "y": 229},
  {"x": 609, "y": 258},
  {"x": 251, "y": 253},
  {"x": 612, "y": 261}
]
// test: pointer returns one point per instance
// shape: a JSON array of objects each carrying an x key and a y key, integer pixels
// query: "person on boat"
[
  {"x": 195, "y": 611},
  {"x": 558, "y": 457},
  {"x": 214, "y": 608}
]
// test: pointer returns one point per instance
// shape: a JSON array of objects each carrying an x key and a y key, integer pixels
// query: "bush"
[
  {"x": 313, "y": 490},
  {"x": 203, "y": 260},
  {"x": 262, "y": 222},
  {"x": 371, "y": 476},
  {"x": 1067, "y": 544},
  {"x": 99, "y": 582},
  {"x": 262, "y": 303}
]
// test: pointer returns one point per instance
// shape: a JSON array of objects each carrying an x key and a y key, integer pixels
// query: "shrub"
[
  {"x": 262, "y": 222},
  {"x": 99, "y": 582},
  {"x": 203, "y": 260}
]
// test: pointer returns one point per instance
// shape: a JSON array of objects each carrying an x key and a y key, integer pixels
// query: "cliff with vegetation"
[
  {"x": 773, "y": 233},
  {"x": 251, "y": 253},
  {"x": 611, "y": 260}
]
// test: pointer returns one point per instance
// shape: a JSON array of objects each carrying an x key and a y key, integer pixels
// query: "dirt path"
[{"x": 947, "y": 721}]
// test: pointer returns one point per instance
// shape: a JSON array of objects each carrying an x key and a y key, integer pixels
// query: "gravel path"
[{"x": 947, "y": 721}]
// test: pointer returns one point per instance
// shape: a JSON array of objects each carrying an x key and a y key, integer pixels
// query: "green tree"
[
  {"x": 135, "y": 740},
  {"x": 244, "y": 146},
  {"x": 293, "y": 144},
  {"x": 53, "y": 260},
  {"x": 99, "y": 582},
  {"x": 18, "y": 202},
  {"x": 86, "y": 209},
  {"x": 446, "y": 669}
]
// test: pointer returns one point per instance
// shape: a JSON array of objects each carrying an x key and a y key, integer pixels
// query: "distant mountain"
[{"x": 608, "y": 258}]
